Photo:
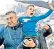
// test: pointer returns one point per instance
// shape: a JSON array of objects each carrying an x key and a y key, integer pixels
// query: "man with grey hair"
[{"x": 12, "y": 34}]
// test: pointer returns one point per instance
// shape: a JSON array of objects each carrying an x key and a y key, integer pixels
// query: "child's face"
[{"x": 30, "y": 11}]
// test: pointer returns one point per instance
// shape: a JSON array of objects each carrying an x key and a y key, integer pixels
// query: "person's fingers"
[
  {"x": 26, "y": 42},
  {"x": 25, "y": 45},
  {"x": 51, "y": 6},
  {"x": 30, "y": 40},
  {"x": 29, "y": 43}
]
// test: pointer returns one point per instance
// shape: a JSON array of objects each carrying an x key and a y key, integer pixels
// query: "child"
[{"x": 29, "y": 22}]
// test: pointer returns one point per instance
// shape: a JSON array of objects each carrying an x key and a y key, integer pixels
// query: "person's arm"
[
  {"x": 1, "y": 41},
  {"x": 47, "y": 13},
  {"x": 1, "y": 35},
  {"x": 50, "y": 5},
  {"x": 44, "y": 15},
  {"x": 20, "y": 19},
  {"x": 48, "y": 30}
]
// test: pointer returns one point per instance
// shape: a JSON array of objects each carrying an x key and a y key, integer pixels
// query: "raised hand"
[{"x": 50, "y": 5}]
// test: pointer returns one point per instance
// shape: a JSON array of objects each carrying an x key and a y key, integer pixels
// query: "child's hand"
[{"x": 51, "y": 6}]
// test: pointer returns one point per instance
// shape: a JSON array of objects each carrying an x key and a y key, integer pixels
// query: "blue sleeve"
[
  {"x": 1, "y": 32},
  {"x": 44, "y": 15},
  {"x": 1, "y": 35},
  {"x": 20, "y": 19}
]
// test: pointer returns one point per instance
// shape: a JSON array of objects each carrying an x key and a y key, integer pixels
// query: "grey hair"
[{"x": 10, "y": 12}]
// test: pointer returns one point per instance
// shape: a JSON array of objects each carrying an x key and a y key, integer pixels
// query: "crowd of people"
[{"x": 20, "y": 33}]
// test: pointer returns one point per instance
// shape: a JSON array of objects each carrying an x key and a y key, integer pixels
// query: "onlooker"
[{"x": 44, "y": 33}]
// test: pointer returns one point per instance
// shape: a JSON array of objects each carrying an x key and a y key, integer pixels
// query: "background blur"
[{"x": 19, "y": 7}]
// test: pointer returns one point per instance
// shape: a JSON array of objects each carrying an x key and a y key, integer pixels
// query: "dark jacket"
[
  {"x": 44, "y": 33},
  {"x": 1, "y": 41},
  {"x": 48, "y": 32}
]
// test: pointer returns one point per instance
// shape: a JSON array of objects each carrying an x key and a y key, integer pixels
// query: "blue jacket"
[
  {"x": 29, "y": 23},
  {"x": 12, "y": 36}
]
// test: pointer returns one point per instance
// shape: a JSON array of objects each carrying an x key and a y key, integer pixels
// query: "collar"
[{"x": 19, "y": 25}]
